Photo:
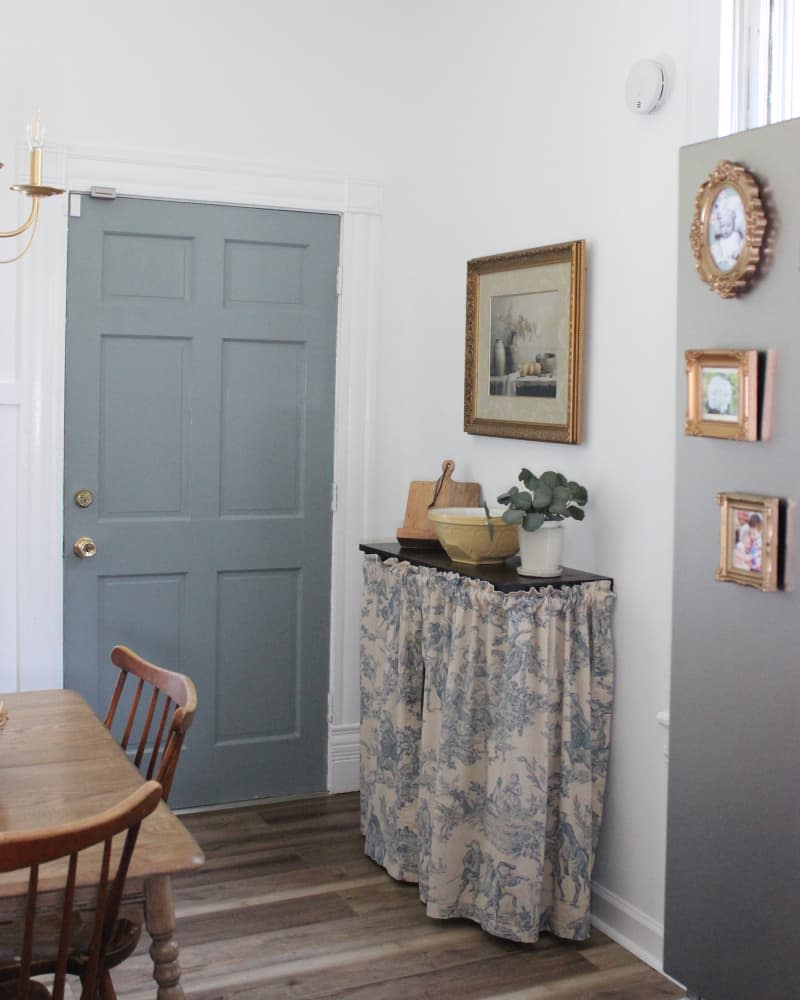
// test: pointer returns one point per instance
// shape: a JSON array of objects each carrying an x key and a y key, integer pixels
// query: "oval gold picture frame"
[{"x": 728, "y": 229}]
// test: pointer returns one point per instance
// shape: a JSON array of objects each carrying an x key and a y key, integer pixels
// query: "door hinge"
[
  {"x": 103, "y": 192},
  {"x": 339, "y": 280},
  {"x": 334, "y": 497}
]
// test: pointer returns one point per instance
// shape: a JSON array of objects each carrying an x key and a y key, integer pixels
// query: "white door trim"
[{"x": 41, "y": 338}]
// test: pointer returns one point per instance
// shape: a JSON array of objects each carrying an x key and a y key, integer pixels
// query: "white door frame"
[{"x": 41, "y": 339}]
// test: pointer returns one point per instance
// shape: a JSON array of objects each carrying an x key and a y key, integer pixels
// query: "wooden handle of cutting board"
[
  {"x": 448, "y": 468},
  {"x": 417, "y": 530}
]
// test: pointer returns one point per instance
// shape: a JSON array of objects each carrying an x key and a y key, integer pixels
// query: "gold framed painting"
[
  {"x": 749, "y": 540},
  {"x": 722, "y": 394},
  {"x": 524, "y": 345},
  {"x": 728, "y": 229}
]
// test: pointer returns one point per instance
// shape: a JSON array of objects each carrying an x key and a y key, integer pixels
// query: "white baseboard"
[
  {"x": 628, "y": 926},
  {"x": 343, "y": 756}
]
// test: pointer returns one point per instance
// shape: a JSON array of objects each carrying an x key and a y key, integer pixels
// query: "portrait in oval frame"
[{"x": 728, "y": 229}]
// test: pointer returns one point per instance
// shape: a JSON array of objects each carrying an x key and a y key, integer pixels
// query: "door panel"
[
  {"x": 142, "y": 382},
  {"x": 263, "y": 403},
  {"x": 199, "y": 412},
  {"x": 258, "y": 610}
]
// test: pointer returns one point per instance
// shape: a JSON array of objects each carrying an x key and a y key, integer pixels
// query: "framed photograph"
[
  {"x": 722, "y": 394},
  {"x": 749, "y": 540},
  {"x": 728, "y": 229},
  {"x": 524, "y": 348}
]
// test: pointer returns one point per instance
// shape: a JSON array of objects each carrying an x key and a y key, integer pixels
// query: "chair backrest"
[
  {"x": 160, "y": 747},
  {"x": 32, "y": 848}
]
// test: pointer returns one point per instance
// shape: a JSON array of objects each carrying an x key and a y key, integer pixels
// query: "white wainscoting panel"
[{"x": 9, "y": 413}]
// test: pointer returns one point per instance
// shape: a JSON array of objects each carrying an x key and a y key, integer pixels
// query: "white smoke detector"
[{"x": 644, "y": 90}]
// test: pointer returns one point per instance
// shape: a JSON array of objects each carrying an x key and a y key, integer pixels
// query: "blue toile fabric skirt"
[{"x": 485, "y": 733}]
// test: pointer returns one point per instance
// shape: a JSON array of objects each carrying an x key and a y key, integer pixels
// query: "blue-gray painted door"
[{"x": 199, "y": 413}]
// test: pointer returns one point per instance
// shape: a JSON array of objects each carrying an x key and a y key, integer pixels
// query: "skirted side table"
[{"x": 486, "y": 704}]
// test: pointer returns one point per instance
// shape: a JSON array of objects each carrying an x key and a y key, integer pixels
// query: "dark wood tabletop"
[{"x": 502, "y": 576}]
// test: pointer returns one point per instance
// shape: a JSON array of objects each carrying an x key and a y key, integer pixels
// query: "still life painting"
[{"x": 524, "y": 345}]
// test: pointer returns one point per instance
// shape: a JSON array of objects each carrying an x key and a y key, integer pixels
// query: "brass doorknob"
[{"x": 84, "y": 548}]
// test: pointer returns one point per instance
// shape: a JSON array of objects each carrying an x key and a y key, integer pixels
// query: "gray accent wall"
[{"x": 733, "y": 839}]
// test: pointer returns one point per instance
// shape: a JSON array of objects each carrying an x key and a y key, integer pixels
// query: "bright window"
[{"x": 759, "y": 63}]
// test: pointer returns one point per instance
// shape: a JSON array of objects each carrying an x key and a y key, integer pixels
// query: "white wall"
[{"x": 490, "y": 127}]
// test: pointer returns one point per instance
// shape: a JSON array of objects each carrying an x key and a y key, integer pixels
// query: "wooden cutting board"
[{"x": 417, "y": 531}]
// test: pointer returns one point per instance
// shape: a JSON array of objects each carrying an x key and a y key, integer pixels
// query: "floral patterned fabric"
[{"x": 485, "y": 730}]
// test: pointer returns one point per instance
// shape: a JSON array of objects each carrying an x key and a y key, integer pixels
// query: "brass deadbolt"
[{"x": 84, "y": 498}]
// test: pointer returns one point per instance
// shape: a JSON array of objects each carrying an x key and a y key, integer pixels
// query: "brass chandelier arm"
[
  {"x": 34, "y": 189},
  {"x": 32, "y": 217},
  {"x": 33, "y": 222}
]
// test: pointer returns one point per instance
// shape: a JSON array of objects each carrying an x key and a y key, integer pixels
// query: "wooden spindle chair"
[
  {"x": 161, "y": 744},
  {"x": 35, "y": 951}
]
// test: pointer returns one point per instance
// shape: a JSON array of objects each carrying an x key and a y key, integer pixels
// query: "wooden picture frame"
[
  {"x": 728, "y": 229},
  {"x": 749, "y": 540},
  {"x": 524, "y": 344},
  {"x": 722, "y": 394}
]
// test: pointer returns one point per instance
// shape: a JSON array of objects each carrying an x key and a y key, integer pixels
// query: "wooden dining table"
[{"x": 58, "y": 764}]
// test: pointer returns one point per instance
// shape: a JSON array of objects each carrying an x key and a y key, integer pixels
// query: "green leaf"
[
  {"x": 513, "y": 516},
  {"x": 577, "y": 513},
  {"x": 533, "y": 521},
  {"x": 553, "y": 479},
  {"x": 523, "y": 501},
  {"x": 578, "y": 493},
  {"x": 528, "y": 478},
  {"x": 543, "y": 496}
]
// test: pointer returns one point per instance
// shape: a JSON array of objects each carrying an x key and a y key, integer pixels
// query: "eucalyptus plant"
[{"x": 549, "y": 497}]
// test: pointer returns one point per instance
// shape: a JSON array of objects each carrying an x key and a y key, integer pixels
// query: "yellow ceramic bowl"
[{"x": 464, "y": 534}]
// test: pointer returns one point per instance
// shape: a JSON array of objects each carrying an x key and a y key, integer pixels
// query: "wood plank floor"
[{"x": 287, "y": 906}]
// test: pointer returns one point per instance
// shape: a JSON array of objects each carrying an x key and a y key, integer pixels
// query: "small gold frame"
[
  {"x": 543, "y": 290},
  {"x": 728, "y": 229},
  {"x": 749, "y": 540},
  {"x": 722, "y": 394}
]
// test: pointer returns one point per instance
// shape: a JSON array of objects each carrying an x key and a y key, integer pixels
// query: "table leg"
[{"x": 159, "y": 918}]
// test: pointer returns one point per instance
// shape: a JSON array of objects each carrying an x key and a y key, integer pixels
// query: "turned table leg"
[{"x": 159, "y": 918}]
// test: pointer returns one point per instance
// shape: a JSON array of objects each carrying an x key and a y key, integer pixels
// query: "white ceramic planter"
[{"x": 540, "y": 551}]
